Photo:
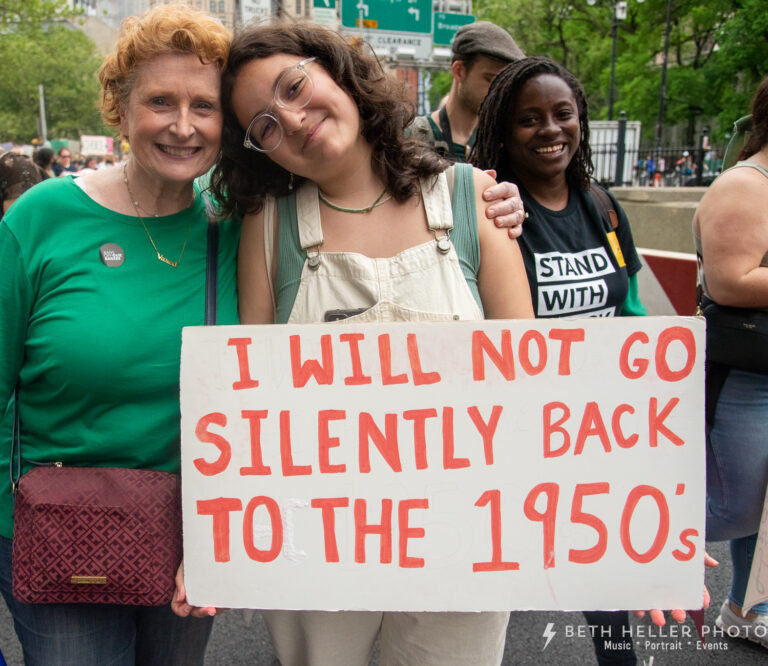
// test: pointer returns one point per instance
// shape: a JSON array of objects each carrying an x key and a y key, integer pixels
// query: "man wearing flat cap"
[{"x": 480, "y": 51}]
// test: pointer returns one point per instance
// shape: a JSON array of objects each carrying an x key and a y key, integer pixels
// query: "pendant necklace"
[
  {"x": 381, "y": 199},
  {"x": 137, "y": 206}
]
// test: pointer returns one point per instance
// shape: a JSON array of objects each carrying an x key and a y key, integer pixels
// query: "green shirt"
[{"x": 96, "y": 346}]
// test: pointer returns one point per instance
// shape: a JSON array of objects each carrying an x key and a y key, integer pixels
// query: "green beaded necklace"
[{"x": 379, "y": 200}]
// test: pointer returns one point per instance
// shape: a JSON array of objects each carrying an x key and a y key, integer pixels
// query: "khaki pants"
[{"x": 346, "y": 638}]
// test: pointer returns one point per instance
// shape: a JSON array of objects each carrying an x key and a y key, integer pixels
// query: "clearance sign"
[{"x": 491, "y": 465}]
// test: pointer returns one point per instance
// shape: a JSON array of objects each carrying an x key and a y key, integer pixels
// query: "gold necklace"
[{"x": 136, "y": 206}]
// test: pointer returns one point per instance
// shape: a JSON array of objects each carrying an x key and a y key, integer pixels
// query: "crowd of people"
[
  {"x": 18, "y": 171},
  {"x": 309, "y": 149}
]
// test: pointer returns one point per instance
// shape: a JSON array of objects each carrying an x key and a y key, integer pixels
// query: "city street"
[{"x": 240, "y": 638}]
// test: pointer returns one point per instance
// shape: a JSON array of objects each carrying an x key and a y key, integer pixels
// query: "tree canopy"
[
  {"x": 38, "y": 47},
  {"x": 31, "y": 14},
  {"x": 718, "y": 53}
]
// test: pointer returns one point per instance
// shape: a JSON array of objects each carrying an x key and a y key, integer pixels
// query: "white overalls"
[{"x": 421, "y": 283}]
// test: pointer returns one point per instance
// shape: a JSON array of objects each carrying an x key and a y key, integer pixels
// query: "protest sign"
[
  {"x": 529, "y": 464},
  {"x": 96, "y": 145}
]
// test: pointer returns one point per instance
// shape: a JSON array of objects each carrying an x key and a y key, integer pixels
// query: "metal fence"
[{"x": 619, "y": 159}]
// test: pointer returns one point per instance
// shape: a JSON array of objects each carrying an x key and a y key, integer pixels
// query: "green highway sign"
[
  {"x": 324, "y": 12},
  {"x": 446, "y": 26},
  {"x": 414, "y": 16}
]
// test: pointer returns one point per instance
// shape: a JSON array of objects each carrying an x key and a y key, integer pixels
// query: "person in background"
[
  {"x": 100, "y": 274},
  {"x": 63, "y": 164},
  {"x": 45, "y": 159},
  {"x": 661, "y": 167},
  {"x": 730, "y": 229},
  {"x": 308, "y": 118},
  {"x": 534, "y": 131},
  {"x": 480, "y": 50},
  {"x": 650, "y": 168},
  {"x": 17, "y": 174},
  {"x": 91, "y": 164}
]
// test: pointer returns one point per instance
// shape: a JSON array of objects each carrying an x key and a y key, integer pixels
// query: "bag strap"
[
  {"x": 15, "y": 469},
  {"x": 604, "y": 204},
  {"x": 211, "y": 263},
  {"x": 269, "y": 246},
  {"x": 211, "y": 273}
]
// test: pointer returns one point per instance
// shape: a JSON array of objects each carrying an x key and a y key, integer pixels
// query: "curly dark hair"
[
  {"x": 496, "y": 111},
  {"x": 758, "y": 135},
  {"x": 243, "y": 177}
]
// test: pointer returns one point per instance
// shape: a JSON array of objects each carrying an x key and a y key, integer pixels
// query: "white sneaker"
[{"x": 734, "y": 626}]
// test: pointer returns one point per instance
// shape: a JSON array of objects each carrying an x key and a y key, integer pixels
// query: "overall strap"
[
  {"x": 437, "y": 204},
  {"x": 308, "y": 213},
  {"x": 310, "y": 228}
]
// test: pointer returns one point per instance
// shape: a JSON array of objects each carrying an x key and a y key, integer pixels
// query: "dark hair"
[
  {"x": 243, "y": 177},
  {"x": 498, "y": 107},
  {"x": 43, "y": 157},
  {"x": 758, "y": 135}
]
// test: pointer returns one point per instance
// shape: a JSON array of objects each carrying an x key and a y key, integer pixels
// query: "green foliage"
[
  {"x": 441, "y": 84},
  {"x": 29, "y": 15},
  {"x": 65, "y": 62},
  {"x": 718, "y": 53}
]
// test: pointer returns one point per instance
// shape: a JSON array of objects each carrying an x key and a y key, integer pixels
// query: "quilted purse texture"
[{"x": 96, "y": 535}]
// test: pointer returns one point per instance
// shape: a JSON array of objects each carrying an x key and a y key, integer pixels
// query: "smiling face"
[
  {"x": 315, "y": 137},
  {"x": 173, "y": 117},
  {"x": 543, "y": 133}
]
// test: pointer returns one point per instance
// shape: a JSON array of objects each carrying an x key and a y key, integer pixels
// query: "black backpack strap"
[
  {"x": 211, "y": 264},
  {"x": 15, "y": 458},
  {"x": 604, "y": 204}
]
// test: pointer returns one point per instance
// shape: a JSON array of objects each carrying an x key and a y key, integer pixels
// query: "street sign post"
[{"x": 446, "y": 26}]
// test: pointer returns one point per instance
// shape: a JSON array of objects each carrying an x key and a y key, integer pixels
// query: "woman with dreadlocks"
[{"x": 577, "y": 245}]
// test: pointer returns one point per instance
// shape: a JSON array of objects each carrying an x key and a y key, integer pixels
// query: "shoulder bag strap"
[
  {"x": 269, "y": 244},
  {"x": 445, "y": 127},
  {"x": 211, "y": 264},
  {"x": 15, "y": 459},
  {"x": 604, "y": 204}
]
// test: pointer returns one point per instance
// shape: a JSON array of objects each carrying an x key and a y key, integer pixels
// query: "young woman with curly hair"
[{"x": 364, "y": 229}]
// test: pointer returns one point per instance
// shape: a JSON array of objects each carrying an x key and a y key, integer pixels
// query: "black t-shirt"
[{"x": 577, "y": 265}]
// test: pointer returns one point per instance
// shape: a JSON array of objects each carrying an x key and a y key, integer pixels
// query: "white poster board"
[
  {"x": 455, "y": 466},
  {"x": 96, "y": 145}
]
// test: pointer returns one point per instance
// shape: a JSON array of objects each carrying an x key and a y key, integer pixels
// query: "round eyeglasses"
[{"x": 293, "y": 90}]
